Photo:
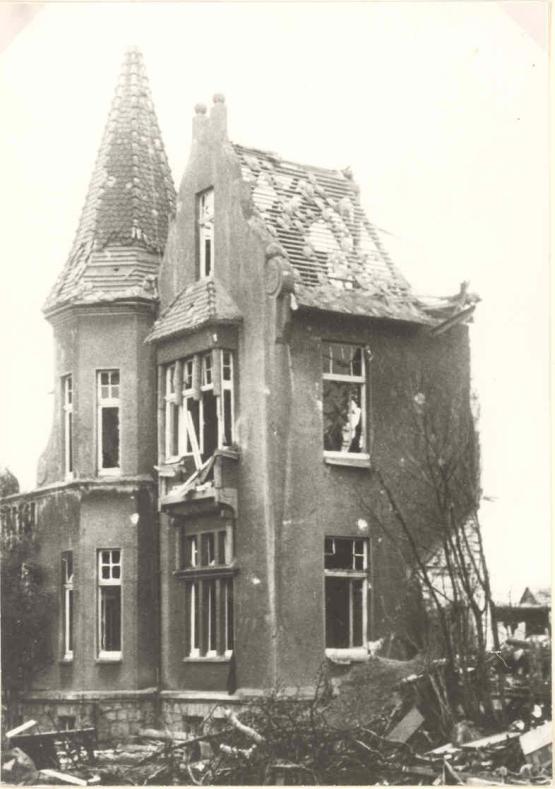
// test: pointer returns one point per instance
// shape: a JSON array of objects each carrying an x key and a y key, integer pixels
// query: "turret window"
[
  {"x": 205, "y": 221},
  {"x": 67, "y": 604},
  {"x": 108, "y": 421},
  {"x": 67, "y": 428}
]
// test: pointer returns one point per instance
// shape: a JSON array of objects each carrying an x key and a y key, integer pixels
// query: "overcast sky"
[{"x": 441, "y": 111}]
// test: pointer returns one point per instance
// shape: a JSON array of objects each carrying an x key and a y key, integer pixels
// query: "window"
[
  {"x": 67, "y": 604},
  {"x": 346, "y": 582},
  {"x": 199, "y": 405},
  {"x": 205, "y": 219},
  {"x": 66, "y": 722},
  {"x": 109, "y": 603},
  {"x": 108, "y": 440},
  {"x": 344, "y": 398},
  {"x": 205, "y": 564},
  {"x": 67, "y": 391}
]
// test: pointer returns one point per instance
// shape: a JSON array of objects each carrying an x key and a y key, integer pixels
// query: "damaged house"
[{"x": 231, "y": 363}]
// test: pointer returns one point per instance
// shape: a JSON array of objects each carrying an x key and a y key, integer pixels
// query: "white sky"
[{"x": 441, "y": 110}]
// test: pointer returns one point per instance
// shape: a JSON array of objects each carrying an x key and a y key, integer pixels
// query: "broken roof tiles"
[
  {"x": 316, "y": 216},
  {"x": 196, "y": 305},
  {"x": 129, "y": 203}
]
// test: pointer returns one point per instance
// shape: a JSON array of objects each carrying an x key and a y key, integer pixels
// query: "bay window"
[
  {"x": 199, "y": 405},
  {"x": 205, "y": 566}
]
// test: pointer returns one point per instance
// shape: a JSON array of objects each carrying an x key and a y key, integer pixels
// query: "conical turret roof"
[{"x": 131, "y": 197}]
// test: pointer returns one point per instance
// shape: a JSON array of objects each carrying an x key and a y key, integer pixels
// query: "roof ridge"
[{"x": 282, "y": 159}]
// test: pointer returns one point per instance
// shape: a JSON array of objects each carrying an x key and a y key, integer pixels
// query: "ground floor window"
[
  {"x": 346, "y": 592},
  {"x": 67, "y": 604},
  {"x": 109, "y": 604}
]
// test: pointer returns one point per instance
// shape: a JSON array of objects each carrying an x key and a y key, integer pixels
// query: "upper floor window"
[
  {"x": 109, "y": 603},
  {"x": 108, "y": 421},
  {"x": 205, "y": 221},
  {"x": 344, "y": 385},
  {"x": 199, "y": 405},
  {"x": 67, "y": 428},
  {"x": 67, "y": 604},
  {"x": 346, "y": 581}
]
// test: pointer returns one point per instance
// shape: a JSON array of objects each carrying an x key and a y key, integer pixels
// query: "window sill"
[
  {"x": 355, "y": 459},
  {"x": 66, "y": 660},
  {"x": 109, "y": 472},
  {"x": 208, "y": 659},
  {"x": 350, "y": 655},
  {"x": 109, "y": 659}
]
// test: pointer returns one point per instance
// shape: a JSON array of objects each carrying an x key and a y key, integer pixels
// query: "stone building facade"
[{"x": 232, "y": 362}]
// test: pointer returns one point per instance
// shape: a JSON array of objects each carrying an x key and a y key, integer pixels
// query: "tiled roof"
[
  {"x": 316, "y": 216},
  {"x": 130, "y": 201},
  {"x": 202, "y": 302}
]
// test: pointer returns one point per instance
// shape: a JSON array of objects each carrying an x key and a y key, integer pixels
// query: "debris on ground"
[{"x": 383, "y": 722}]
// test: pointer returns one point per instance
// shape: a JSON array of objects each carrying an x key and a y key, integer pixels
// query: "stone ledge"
[{"x": 89, "y": 695}]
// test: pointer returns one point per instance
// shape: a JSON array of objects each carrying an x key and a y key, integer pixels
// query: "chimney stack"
[
  {"x": 218, "y": 117},
  {"x": 200, "y": 122}
]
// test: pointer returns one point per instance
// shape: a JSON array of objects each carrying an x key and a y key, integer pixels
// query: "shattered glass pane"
[{"x": 342, "y": 416}]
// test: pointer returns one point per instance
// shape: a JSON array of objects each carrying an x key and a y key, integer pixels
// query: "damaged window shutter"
[
  {"x": 217, "y": 371},
  {"x": 178, "y": 381}
]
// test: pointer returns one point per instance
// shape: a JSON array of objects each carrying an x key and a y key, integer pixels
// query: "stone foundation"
[
  {"x": 115, "y": 719},
  {"x": 119, "y": 717}
]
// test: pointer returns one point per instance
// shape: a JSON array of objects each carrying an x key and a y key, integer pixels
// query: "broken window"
[
  {"x": 205, "y": 219},
  {"x": 67, "y": 604},
  {"x": 344, "y": 385},
  {"x": 204, "y": 562},
  {"x": 109, "y": 603},
  {"x": 199, "y": 405},
  {"x": 346, "y": 582},
  {"x": 108, "y": 439},
  {"x": 67, "y": 394}
]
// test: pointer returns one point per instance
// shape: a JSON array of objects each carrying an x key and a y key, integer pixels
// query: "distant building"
[
  {"x": 531, "y": 616},
  {"x": 230, "y": 362}
]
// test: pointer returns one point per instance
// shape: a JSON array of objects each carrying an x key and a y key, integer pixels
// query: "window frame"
[
  {"x": 350, "y": 576},
  {"x": 205, "y": 232},
  {"x": 108, "y": 655},
  {"x": 346, "y": 457},
  {"x": 67, "y": 424},
  {"x": 101, "y": 404},
  {"x": 207, "y": 592},
  {"x": 68, "y": 606}
]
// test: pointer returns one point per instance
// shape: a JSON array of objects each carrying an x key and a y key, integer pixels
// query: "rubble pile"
[{"x": 393, "y": 737}]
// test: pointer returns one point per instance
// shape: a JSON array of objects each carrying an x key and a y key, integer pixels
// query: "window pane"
[
  {"x": 228, "y": 630},
  {"x": 193, "y": 407},
  {"x": 227, "y": 426},
  {"x": 188, "y": 375},
  {"x": 116, "y": 572},
  {"x": 342, "y": 557},
  {"x": 220, "y": 558},
  {"x": 207, "y": 256},
  {"x": 226, "y": 365},
  {"x": 111, "y": 618},
  {"x": 342, "y": 416},
  {"x": 191, "y": 551},
  {"x": 356, "y": 591},
  {"x": 210, "y": 426},
  {"x": 110, "y": 437},
  {"x": 207, "y": 549},
  {"x": 69, "y": 645},
  {"x": 69, "y": 439},
  {"x": 106, "y": 572},
  {"x": 115, "y": 557},
  {"x": 337, "y": 612}
]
